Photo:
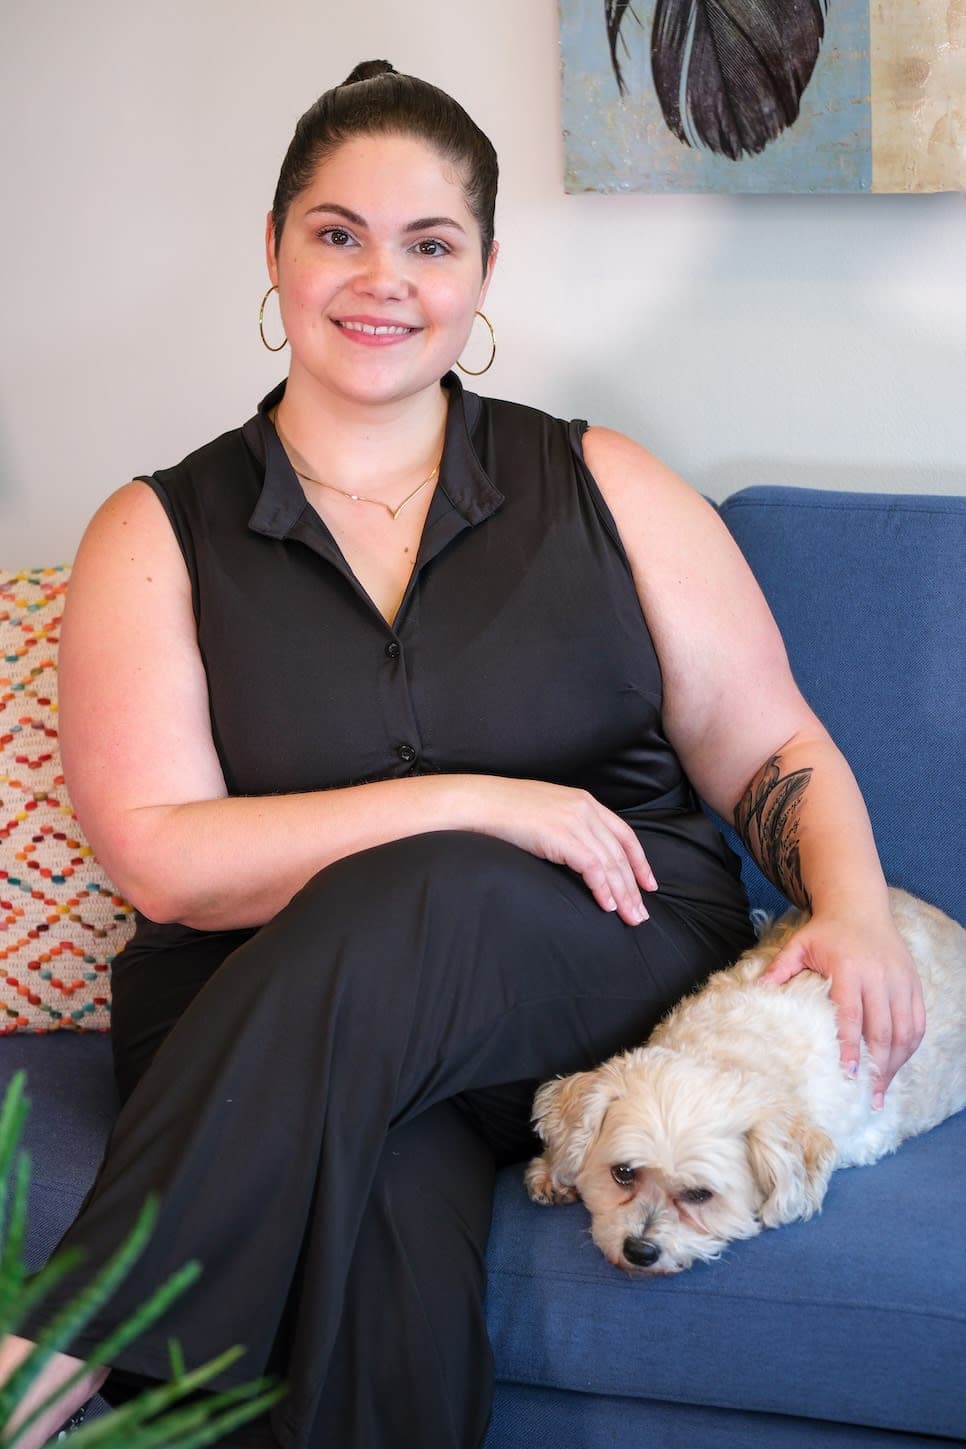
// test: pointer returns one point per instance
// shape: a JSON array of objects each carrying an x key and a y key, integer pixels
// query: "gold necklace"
[{"x": 356, "y": 497}]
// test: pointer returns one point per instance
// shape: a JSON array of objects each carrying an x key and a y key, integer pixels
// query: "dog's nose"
[{"x": 641, "y": 1252}]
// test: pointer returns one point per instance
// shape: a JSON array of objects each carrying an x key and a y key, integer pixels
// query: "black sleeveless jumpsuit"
[{"x": 322, "y": 1103}]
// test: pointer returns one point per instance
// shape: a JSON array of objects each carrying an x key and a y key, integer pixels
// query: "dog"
[{"x": 734, "y": 1114}]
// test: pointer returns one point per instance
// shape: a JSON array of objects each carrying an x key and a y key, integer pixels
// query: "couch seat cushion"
[
  {"x": 858, "y": 1316},
  {"x": 70, "y": 1089},
  {"x": 840, "y": 1319}
]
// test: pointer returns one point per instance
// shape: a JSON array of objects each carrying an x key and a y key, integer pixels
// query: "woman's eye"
[
  {"x": 336, "y": 236},
  {"x": 696, "y": 1195},
  {"x": 622, "y": 1174},
  {"x": 431, "y": 248}
]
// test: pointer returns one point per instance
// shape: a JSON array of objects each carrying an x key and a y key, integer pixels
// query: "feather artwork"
[
  {"x": 614, "y": 12},
  {"x": 756, "y": 97},
  {"x": 729, "y": 74}
]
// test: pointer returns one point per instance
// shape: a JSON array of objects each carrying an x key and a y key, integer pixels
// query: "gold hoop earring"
[
  {"x": 261, "y": 323},
  {"x": 480, "y": 370}
]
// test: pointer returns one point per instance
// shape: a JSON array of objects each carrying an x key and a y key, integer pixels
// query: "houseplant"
[{"x": 170, "y": 1416}]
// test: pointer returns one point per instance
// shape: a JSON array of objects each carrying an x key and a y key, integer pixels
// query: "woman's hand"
[
  {"x": 569, "y": 827},
  {"x": 875, "y": 987}
]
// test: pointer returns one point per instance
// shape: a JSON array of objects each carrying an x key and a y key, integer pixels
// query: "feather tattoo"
[
  {"x": 767, "y": 819},
  {"x": 729, "y": 74}
]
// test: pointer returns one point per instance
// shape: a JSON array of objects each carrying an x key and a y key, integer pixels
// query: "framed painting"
[{"x": 764, "y": 95}]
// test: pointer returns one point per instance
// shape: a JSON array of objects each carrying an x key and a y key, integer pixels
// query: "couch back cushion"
[
  {"x": 61, "y": 920},
  {"x": 869, "y": 591}
]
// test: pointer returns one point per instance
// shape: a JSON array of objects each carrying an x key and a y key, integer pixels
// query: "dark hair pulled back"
[{"x": 376, "y": 100}]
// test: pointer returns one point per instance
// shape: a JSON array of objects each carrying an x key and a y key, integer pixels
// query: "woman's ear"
[
  {"x": 488, "y": 274},
  {"x": 270, "y": 256}
]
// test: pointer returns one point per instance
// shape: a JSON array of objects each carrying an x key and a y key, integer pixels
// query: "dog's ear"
[
  {"x": 567, "y": 1114},
  {"x": 792, "y": 1161}
]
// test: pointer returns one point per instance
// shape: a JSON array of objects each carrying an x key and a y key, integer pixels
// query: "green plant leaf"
[
  {"x": 177, "y": 1359},
  {"x": 12, "y": 1271},
  {"x": 33, "y": 1290},
  {"x": 13, "y": 1115}
]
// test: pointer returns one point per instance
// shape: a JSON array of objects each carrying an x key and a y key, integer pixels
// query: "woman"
[{"x": 385, "y": 712}]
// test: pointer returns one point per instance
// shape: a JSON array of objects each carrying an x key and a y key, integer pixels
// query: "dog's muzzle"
[{"x": 642, "y": 1252}]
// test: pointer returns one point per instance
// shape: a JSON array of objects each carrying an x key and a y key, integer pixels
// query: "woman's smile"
[{"x": 373, "y": 331}]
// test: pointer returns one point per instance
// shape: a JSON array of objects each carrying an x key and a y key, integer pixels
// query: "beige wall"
[{"x": 809, "y": 340}]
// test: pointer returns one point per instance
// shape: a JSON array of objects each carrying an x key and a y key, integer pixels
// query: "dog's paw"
[{"x": 543, "y": 1188}]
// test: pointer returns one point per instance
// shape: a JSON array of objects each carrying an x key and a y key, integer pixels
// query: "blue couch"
[{"x": 850, "y": 1329}]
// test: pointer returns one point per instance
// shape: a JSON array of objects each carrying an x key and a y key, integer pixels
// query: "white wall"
[{"x": 808, "y": 340}]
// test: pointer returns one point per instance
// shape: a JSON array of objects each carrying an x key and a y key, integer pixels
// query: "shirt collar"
[{"x": 463, "y": 480}]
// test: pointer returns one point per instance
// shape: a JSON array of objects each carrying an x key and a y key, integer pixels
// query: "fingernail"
[
  {"x": 878, "y": 1101},
  {"x": 609, "y": 903},
  {"x": 852, "y": 1071},
  {"x": 640, "y": 914}
]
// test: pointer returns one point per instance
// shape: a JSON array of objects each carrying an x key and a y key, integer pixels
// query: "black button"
[
  {"x": 406, "y": 753},
  {"x": 393, "y": 650}
]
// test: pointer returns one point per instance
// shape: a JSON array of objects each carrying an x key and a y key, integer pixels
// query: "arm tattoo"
[{"x": 767, "y": 819}]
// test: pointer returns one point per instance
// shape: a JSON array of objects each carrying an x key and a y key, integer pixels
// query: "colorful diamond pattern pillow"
[{"x": 61, "y": 920}]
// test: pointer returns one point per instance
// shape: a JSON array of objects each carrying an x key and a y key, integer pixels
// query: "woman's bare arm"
[{"x": 753, "y": 747}]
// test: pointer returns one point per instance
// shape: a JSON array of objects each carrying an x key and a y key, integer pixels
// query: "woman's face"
[{"x": 378, "y": 270}]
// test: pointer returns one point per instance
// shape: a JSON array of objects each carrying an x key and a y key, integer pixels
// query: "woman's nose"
[{"x": 383, "y": 274}]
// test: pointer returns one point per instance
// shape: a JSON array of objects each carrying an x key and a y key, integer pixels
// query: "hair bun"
[{"x": 368, "y": 70}]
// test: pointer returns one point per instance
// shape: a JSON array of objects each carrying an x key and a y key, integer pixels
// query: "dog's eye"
[
  {"x": 622, "y": 1174},
  {"x": 696, "y": 1195}
]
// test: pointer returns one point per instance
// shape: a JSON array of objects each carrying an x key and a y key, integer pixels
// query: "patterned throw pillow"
[{"x": 61, "y": 921}]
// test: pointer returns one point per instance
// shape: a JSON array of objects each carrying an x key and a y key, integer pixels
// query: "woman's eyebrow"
[
  {"x": 430, "y": 223},
  {"x": 422, "y": 223},
  {"x": 333, "y": 206}
]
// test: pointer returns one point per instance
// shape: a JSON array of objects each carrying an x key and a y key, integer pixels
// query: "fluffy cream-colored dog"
[{"x": 735, "y": 1113}]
